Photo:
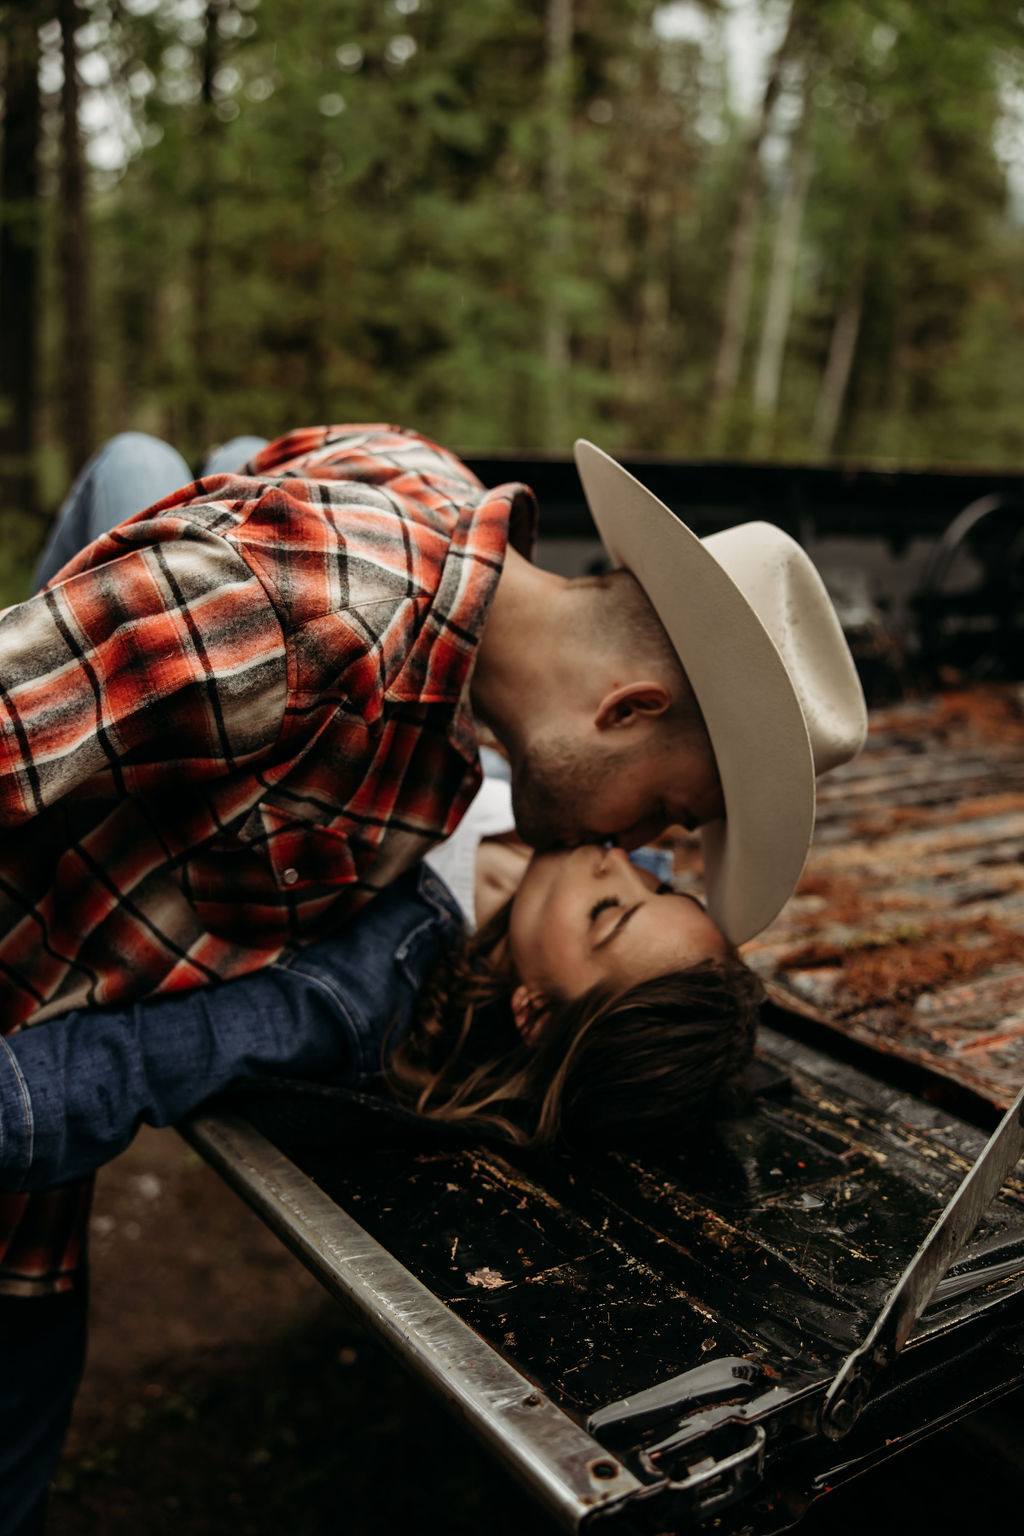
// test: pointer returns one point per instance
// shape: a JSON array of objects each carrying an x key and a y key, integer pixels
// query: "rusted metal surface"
[{"x": 907, "y": 929}]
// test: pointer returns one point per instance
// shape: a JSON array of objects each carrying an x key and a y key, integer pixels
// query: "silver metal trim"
[
  {"x": 849, "y": 1392},
  {"x": 751, "y": 1454},
  {"x": 567, "y": 1471}
]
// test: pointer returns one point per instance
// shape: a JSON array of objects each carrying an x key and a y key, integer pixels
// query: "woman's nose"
[{"x": 612, "y": 857}]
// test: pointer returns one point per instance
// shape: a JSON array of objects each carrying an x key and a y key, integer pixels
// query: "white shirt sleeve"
[{"x": 454, "y": 860}]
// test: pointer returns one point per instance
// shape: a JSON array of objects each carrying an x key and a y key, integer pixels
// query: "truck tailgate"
[{"x": 647, "y": 1340}]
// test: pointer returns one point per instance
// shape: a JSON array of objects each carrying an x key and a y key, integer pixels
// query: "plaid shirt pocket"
[{"x": 304, "y": 856}]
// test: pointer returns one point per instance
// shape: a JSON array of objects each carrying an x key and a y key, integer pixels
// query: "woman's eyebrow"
[{"x": 623, "y": 920}]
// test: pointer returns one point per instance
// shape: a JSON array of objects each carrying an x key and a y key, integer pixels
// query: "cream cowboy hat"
[{"x": 759, "y": 640}]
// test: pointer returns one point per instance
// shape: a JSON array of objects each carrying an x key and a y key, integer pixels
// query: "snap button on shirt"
[{"x": 290, "y": 876}]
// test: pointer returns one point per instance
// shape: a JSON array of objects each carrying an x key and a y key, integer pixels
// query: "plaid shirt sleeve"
[
  {"x": 171, "y": 654},
  {"x": 225, "y": 725}
]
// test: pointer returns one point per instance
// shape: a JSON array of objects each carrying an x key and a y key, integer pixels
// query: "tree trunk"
[
  {"x": 838, "y": 367},
  {"x": 742, "y": 248},
  {"x": 204, "y": 203},
  {"x": 322, "y": 213},
  {"x": 558, "y": 90},
  {"x": 779, "y": 300},
  {"x": 76, "y": 367},
  {"x": 19, "y": 261}
]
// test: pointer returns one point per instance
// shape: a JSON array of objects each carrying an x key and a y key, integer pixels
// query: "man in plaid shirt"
[{"x": 231, "y": 719}]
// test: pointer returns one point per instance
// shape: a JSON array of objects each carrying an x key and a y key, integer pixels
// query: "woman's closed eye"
[
  {"x": 604, "y": 915},
  {"x": 608, "y": 918}
]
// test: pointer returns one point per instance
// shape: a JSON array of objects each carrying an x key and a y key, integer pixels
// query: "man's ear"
[
  {"x": 630, "y": 703},
  {"x": 529, "y": 1010}
]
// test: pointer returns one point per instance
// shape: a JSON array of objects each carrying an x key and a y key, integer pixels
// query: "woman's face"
[{"x": 587, "y": 915}]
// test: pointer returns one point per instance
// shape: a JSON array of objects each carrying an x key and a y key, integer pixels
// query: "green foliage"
[{"x": 348, "y": 209}]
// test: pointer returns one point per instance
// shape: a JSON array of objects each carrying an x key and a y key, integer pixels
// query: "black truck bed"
[{"x": 646, "y": 1341}]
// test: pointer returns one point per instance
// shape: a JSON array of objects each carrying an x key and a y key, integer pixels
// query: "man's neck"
[{"x": 521, "y": 647}]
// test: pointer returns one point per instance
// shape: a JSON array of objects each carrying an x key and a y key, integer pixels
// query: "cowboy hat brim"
[{"x": 753, "y": 858}]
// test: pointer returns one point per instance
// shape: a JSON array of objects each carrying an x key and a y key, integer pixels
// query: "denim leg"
[
  {"x": 127, "y": 474},
  {"x": 42, "y": 1347},
  {"x": 232, "y": 455},
  {"x": 43, "y": 1338}
]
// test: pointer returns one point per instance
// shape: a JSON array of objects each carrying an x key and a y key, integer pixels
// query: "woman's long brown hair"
[{"x": 642, "y": 1063}]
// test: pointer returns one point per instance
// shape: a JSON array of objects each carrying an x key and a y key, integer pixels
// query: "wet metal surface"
[
  {"x": 760, "y": 1257},
  {"x": 733, "y": 1276},
  {"x": 564, "y": 1468},
  {"x": 930, "y": 1265},
  {"x": 777, "y": 1239}
]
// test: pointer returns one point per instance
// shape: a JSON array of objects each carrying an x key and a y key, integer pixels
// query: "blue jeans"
[
  {"x": 42, "y": 1355},
  {"x": 43, "y": 1338},
  {"x": 126, "y": 475}
]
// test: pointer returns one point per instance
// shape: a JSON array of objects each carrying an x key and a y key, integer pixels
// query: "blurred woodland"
[{"x": 508, "y": 222}]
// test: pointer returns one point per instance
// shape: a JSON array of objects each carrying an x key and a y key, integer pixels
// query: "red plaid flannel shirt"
[{"x": 225, "y": 725}]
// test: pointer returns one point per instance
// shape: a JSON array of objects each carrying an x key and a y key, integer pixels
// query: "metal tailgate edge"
[{"x": 572, "y": 1475}]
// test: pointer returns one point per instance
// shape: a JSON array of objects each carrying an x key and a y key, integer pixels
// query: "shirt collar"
[{"x": 438, "y": 667}]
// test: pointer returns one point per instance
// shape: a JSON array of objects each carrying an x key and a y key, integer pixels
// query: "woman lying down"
[{"x": 559, "y": 996}]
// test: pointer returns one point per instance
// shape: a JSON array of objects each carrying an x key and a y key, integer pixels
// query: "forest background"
[{"x": 508, "y": 223}]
